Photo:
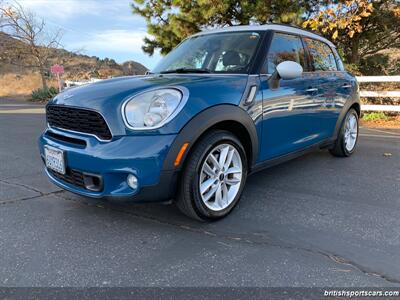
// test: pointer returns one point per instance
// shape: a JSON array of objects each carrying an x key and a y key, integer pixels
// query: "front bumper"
[{"x": 112, "y": 162}]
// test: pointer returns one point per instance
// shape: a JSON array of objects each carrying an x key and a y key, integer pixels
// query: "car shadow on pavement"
[
  {"x": 315, "y": 204},
  {"x": 255, "y": 198}
]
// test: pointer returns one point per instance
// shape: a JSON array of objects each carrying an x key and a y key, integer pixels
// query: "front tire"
[
  {"x": 346, "y": 143},
  {"x": 213, "y": 177}
]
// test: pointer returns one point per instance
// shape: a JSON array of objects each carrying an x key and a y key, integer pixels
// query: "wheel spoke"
[
  {"x": 348, "y": 140},
  {"x": 206, "y": 185},
  {"x": 229, "y": 159},
  {"x": 208, "y": 170},
  {"x": 352, "y": 121},
  {"x": 225, "y": 193},
  {"x": 232, "y": 181},
  {"x": 222, "y": 156},
  {"x": 233, "y": 170},
  {"x": 210, "y": 193},
  {"x": 218, "y": 197},
  {"x": 214, "y": 161}
]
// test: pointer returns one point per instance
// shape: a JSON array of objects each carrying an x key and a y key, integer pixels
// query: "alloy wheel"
[
  {"x": 351, "y": 132},
  {"x": 220, "y": 177}
]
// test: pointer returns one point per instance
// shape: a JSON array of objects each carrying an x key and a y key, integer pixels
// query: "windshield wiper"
[{"x": 186, "y": 70}]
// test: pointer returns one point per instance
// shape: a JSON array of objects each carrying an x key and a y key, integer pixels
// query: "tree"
[
  {"x": 34, "y": 42},
  {"x": 360, "y": 28},
  {"x": 171, "y": 21}
]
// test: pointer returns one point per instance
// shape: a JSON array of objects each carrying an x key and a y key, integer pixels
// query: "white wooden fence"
[
  {"x": 364, "y": 94},
  {"x": 72, "y": 83},
  {"x": 379, "y": 94}
]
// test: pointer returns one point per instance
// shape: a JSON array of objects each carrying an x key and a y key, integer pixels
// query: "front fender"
[{"x": 208, "y": 118}]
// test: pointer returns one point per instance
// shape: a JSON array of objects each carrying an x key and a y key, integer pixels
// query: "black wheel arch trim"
[{"x": 205, "y": 120}]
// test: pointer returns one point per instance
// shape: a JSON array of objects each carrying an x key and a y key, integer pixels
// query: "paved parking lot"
[{"x": 314, "y": 221}]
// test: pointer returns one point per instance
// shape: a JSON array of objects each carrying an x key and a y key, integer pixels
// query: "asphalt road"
[{"x": 314, "y": 221}]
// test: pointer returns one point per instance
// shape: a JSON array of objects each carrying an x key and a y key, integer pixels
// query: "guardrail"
[{"x": 379, "y": 94}]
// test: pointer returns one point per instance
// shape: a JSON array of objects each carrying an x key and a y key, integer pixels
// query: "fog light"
[{"x": 132, "y": 181}]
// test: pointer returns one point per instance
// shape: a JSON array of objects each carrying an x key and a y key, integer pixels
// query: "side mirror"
[{"x": 289, "y": 70}]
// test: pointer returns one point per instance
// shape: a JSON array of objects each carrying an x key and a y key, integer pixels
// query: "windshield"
[{"x": 212, "y": 53}]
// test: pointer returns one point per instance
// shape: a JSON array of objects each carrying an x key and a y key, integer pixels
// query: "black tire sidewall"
[{"x": 206, "y": 147}]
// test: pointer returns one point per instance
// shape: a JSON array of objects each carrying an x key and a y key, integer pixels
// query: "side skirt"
[{"x": 280, "y": 159}]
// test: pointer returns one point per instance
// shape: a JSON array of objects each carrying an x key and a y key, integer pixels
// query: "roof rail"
[
  {"x": 265, "y": 26},
  {"x": 284, "y": 24}
]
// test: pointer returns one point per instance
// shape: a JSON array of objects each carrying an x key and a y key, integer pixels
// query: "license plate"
[{"x": 54, "y": 159}]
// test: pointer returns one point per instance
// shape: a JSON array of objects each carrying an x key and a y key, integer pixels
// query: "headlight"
[{"x": 152, "y": 109}]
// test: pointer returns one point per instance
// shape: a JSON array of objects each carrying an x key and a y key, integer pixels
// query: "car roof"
[{"x": 276, "y": 27}]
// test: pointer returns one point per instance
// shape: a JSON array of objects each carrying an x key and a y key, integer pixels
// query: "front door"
[{"x": 290, "y": 119}]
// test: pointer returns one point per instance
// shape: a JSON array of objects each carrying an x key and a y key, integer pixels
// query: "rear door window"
[
  {"x": 322, "y": 56},
  {"x": 284, "y": 47}
]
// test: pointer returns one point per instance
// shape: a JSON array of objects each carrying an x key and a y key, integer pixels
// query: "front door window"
[{"x": 284, "y": 47}]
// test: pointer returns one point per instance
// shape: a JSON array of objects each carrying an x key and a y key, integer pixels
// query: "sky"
[{"x": 104, "y": 28}]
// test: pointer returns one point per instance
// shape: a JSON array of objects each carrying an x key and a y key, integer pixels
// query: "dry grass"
[
  {"x": 391, "y": 122},
  {"x": 16, "y": 80},
  {"x": 20, "y": 85}
]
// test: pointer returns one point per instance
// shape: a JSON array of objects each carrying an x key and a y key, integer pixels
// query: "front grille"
[
  {"x": 66, "y": 139},
  {"x": 71, "y": 176},
  {"x": 77, "y": 119}
]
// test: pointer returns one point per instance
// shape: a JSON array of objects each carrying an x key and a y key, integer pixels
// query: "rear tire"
[
  {"x": 213, "y": 177},
  {"x": 346, "y": 142}
]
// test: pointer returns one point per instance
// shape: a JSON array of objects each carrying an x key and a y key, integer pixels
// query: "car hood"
[{"x": 107, "y": 96}]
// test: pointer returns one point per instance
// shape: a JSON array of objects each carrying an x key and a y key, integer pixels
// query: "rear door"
[
  {"x": 331, "y": 84},
  {"x": 289, "y": 111}
]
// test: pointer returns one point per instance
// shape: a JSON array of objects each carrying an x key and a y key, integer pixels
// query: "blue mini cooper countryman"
[{"x": 222, "y": 105}]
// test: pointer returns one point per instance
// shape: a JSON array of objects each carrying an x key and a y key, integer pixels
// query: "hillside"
[{"x": 15, "y": 79}]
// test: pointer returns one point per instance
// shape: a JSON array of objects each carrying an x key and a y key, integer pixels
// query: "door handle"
[
  {"x": 311, "y": 90},
  {"x": 346, "y": 86}
]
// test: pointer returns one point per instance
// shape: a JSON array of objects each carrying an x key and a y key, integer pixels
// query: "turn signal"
[{"x": 180, "y": 154}]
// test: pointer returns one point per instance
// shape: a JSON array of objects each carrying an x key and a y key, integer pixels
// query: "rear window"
[{"x": 322, "y": 56}]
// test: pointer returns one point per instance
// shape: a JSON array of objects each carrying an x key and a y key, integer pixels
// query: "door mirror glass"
[{"x": 289, "y": 70}]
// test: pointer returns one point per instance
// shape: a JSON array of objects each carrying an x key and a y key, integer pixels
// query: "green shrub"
[
  {"x": 44, "y": 94},
  {"x": 373, "y": 116}
]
